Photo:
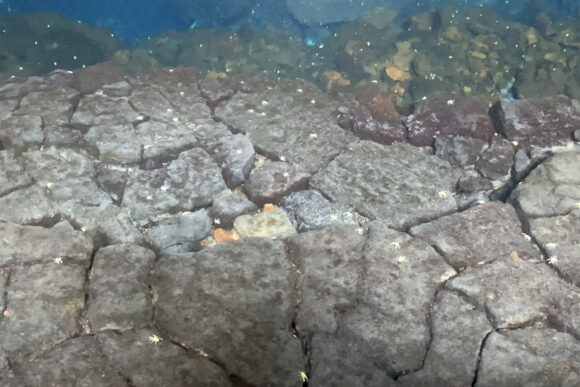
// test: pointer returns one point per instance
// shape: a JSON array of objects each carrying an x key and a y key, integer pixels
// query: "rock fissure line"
[{"x": 479, "y": 357}]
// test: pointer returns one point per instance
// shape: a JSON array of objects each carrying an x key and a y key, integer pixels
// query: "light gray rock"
[
  {"x": 268, "y": 224},
  {"x": 553, "y": 188}
]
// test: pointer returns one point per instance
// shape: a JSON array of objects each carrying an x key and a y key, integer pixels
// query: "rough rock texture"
[
  {"x": 559, "y": 238},
  {"x": 290, "y": 121},
  {"x": 442, "y": 114},
  {"x": 274, "y": 180},
  {"x": 180, "y": 233},
  {"x": 120, "y": 298},
  {"x": 309, "y": 210},
  {"x": 133, "y": 356},
  {"x": 553, "y": 188},
  {"x": 539, "y": 123},
  {"x": 458, "y": 324},
  {"x": 350, "y": 180},
  {"x": 479, "y": 235},
  {"x": 532, "y": 356},
  {"x": 240, "y": 300},
  {"x": 187, "y": 183},
  {"x": 402, "y": 271}
]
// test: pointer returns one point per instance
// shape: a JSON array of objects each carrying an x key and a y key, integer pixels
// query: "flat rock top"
[{"x": 447, "y": 255}]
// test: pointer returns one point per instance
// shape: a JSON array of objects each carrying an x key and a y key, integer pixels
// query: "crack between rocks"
[
  {"x": 112, "y": 363},
  {"x": 5, "y": 295},
  {"x": 305, "y": 339},
  {"x": 198, "y": 352},
  {"x": 190, "y": 351},
  {"x": 479, "y": 355},
  {"x": 15, "y": 369},
  {"x": 526, "y": 229},
  {"x": 18, "y": 188},
  {"x": 429, "y": 323}
]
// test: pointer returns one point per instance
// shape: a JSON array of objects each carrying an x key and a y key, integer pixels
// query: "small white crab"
[
  {"x": 550, "y": 245},
  {"x": 58, "y": 260},
  {"x": 396, "y": 245},
  {"x": 553, "y": 260},
  {"x": 303, "y": 376},
  {"x": 155, "y": 339}
]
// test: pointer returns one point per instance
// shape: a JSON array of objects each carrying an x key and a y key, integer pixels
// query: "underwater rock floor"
[{"x": 441, "y": 248}]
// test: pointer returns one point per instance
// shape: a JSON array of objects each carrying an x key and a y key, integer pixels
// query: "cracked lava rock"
[{"x": 445, "y": 256}]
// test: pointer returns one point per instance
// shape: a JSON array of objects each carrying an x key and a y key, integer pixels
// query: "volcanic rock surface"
[{"x": 444, "y": 256}]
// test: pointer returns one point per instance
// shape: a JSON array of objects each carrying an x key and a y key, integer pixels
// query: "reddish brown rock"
[
  {"x": 449, "y": 114},
  {"x": 538, "y": 123}
]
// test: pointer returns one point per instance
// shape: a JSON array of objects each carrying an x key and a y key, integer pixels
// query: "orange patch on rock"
[
  {"x": 221, "y": 235},
  {"x": 268, "y": 207},
  {"x": 396, "y": 74}
]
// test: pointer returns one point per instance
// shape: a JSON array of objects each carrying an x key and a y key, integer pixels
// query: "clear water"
[{"x": 309, "y": 39}]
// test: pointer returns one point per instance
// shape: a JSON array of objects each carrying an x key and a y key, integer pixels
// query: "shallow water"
[{"x": 496, "y": 49}]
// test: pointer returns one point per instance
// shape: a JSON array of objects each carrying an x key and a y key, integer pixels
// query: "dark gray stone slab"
[
  {"x": 187, "y": 183},
  {"x": 162, "y": 142},
  {"x": 330, "y": 265},
  {"x": 238, "y": 309},
  {"x": 479, "y": 235},
  {"x": 43, "y": 307},
  {"x": 290, "y": 120},
  {"x": 309, "y": 210},
  {"x": 458, "y": 329},
  {"x": 396, "y": 183},
  {"x": 227, "y": 206},
  {"x": 336, "y": 362},
  {"x": 77, "y": 361},
  {"x": 151, "y": 103},
  {"x": 34, "y": 244},
  {"x": 532, "y": 356},
  {"x": 180, "y": 87},
  {"x": 148, "y": 364},
  {"x": 215, "y": 91},
  {"x": 115, "y": 144},
  {"x": 105, "y": 224},
  {"x": 92, "y": 78},
  {"x": 180, "y": 233},
  {"x": 274, "y": 179},
  {"x": 496, "y": 162},
  {"x": 553, "y": 188},
  {"x": 515, "y": 293},
  {"x": 389, "y": 322},
  {"x": 99, "y": 109},
  {"x": 119, "y": 297}
]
